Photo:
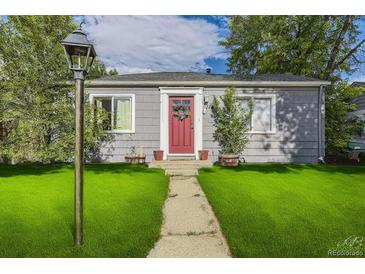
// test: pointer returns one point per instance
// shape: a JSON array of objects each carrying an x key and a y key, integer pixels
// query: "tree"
[
  {"x": 337, "y": 121},
  {"x": 324, "y": 47},
  {"x": 231, "y": 123},
  {"x": 113, "y": 72},
  {"x": 36, "y": 115},
  {"x": 98, "y": 70}
]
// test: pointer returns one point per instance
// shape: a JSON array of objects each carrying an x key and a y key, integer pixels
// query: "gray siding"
[
  {"x": 296, "y": 137},
  {"x": 295, "y": 140},
  {"x": 147, "y": 125}
]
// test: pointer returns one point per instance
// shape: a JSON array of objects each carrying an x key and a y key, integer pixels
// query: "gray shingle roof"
[
  {"x": 195, "y": 76},
  {"x": 358, "y": 84}
]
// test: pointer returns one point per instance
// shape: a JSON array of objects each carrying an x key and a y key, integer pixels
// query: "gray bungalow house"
[{"x": 146, "y": 112}]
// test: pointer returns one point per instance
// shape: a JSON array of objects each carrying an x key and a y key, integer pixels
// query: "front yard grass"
[
  {"x": 274, "y": 210},
  {"x": 123, "y": 210}
]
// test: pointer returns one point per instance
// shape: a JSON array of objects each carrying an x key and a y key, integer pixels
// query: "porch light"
[
  {"x": 205, "y": 105},
  {"x": 80, "y": 54}
]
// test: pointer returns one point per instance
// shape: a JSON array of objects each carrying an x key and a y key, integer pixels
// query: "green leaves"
[
  {"x": 339, "y": 129},
  {"x": 324, "y": 47},
  {"x": 231, "y": 123},
  {"x": 302, "y": 45},
  {"x": 37, "y": 117},
  {"x": 98, "y": 70}
]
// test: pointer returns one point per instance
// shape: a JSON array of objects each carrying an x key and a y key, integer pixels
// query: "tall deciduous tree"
[
  {"x": 325, "y": 47},
  {"x": 37, "y": 117}
]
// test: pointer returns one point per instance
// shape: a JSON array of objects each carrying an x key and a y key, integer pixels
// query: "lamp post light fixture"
[{"x": 80, "y": 54}]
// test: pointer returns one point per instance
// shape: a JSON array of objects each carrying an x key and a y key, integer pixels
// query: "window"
[
  {"x": 120, "y": 109},
  {"x": 263, "y": 114}
]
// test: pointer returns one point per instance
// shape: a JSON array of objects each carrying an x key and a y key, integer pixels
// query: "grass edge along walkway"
[
  {"x": 277, "y": 210},
  {"x": 123, "y": 210}
]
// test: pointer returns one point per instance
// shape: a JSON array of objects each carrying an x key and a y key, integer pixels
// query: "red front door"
[{"x": 181, "y": 125}]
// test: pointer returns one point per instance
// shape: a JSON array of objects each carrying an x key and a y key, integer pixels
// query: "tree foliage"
[
  {"x": 98, "y": 70},
  {"x": 337, "y": 120},
  {"x": 324, "y": 47},
  {"x": 37, "y": 117},
  {"x": 231, "y": 123}
]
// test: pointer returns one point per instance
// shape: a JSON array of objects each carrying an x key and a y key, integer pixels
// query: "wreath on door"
[{"x": 181, "y": 111}]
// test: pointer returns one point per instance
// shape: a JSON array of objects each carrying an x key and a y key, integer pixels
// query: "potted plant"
[
  {"x": 231, "y": 123},
  {"x": 203, "y": 154},
  {"x": 158, "y": 154}
]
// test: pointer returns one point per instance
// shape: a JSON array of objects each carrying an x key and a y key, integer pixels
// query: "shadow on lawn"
[
  {"x": 32, "y": 169},
  {"x": 119, "y": 168},
  {"x": 43, "y": 169},
  {"x": 292, "y": 168}
]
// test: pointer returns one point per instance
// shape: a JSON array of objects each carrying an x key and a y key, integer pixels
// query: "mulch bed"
[{"x": 338, "y": 160}]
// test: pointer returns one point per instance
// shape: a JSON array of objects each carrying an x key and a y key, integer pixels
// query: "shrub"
[{"x": 231, "y": 123}]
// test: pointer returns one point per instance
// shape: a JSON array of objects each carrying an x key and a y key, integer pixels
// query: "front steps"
[
  {"x": 180, "y": 168},
  {"x": 180, "y": 158}
]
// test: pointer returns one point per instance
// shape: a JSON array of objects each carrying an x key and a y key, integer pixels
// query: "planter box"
[
  {"x": 158, "y": 154},
  {"x": 229, "y": 159},
  {"x": 203, "y": 154}
]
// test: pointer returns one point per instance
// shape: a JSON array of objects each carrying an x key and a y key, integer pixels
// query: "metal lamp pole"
[
  {"x": 78, "y": 48},
  {"x": 79, "y": 77}
]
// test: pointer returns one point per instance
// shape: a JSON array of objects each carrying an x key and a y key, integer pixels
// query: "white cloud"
[{"x": 153, "y": 43}]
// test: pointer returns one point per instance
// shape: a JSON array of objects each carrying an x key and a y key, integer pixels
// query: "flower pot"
[
  {"x": 229, "y": 159},
  {"x": 158, "y": 154},
  {"x": 203, "y": 154}
]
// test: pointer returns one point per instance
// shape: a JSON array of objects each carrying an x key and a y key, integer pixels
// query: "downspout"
[{"x": 320, "y": 125}]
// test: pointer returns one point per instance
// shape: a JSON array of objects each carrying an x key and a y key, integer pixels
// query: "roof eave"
[
  {"x": 103, "y": 83},
  {"x": 358, "y": 84}
]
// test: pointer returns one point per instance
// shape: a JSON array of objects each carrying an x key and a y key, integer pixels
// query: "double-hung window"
[
  {"x": 263, "y": 112},
  {"x": 120, "y": 112}
]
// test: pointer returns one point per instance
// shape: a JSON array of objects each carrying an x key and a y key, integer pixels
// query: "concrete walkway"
[{"x": 190, "y": 229}]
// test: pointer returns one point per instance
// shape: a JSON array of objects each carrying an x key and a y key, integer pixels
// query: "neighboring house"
[
  {"x": 171, "y": 111},
  {"x": 358, "y": 140}
]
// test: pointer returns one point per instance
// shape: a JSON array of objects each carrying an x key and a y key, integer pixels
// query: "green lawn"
[
  {"x": 123, "y": 210},
  {"x": 286, "y": 210}
]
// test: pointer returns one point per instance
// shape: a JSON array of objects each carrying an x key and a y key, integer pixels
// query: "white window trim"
[
  {"x": 273, "y": 111},
  {"x": 113, "y": 96}
]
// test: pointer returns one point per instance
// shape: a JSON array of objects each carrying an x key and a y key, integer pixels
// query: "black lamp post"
[{"x": 80, "y": 54}]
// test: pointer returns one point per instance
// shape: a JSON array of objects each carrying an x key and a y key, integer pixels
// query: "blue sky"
[
  {"x": 218, "y": 64},
  {"x": 165, "y": 43},
  {"x": 135, "y": 44},
  {"x": 159, "y": 43}
]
